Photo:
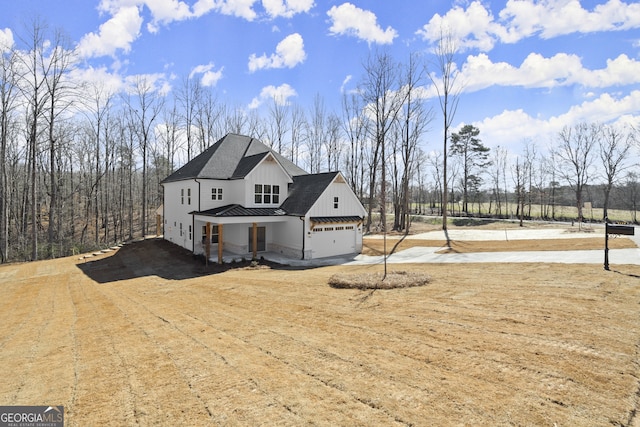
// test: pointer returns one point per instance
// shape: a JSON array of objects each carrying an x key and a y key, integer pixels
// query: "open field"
[
  {"x": 561, "y": 211},
  {"x": 146, "y": 336}
]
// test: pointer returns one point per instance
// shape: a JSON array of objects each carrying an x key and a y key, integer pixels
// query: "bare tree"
[
  {"x": 143, "y": 113},
  {"x": 169, "y": 137},
  {"x": 316, "y": 133},
  {"x": 519, "y": 174},
  {"x": 235, "y": 119},
  {"x": 383, "y": 101},
  {"x": 278, "y": 113},
  {"x": 8, "y": 102},
  {"x": 188, "y": 96},
  {"x": 435, "y": 161},
  {"x": 36, "y": 70},
  {"x": 333, "y": 142},
  {"x": 414, "y": 120},
  {"x": 614, "y": 149},
  {"x": 298, "y": 124},
  {"x": 208, "y": 114},
  {"x": 354, "y": 124},
  {"x": 99, "y": 104},
  {"x": 499, "y": 163},
  {"x": 632, "y": 194},
  {"x": 448, "y": 91},
  {"x": 575, "y": 153},
  {"x": 60, "y": 91}
]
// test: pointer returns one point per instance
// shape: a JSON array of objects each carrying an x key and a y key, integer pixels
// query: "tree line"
[{"x": 81, "y": 162}]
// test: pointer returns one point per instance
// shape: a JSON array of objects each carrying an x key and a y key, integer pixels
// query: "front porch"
[{"x": 222, "y": 238}]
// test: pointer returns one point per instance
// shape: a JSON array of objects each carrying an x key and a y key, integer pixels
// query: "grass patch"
[{"x": 394, "y": 280}]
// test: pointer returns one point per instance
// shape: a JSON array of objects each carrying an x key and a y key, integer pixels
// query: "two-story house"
[{"x": 239, "y": 196}]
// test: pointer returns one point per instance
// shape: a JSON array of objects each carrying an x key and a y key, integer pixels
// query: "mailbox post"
[{"x": 624, "y": 230}]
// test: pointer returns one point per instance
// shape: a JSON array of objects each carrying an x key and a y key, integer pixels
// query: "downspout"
[
  {"x": 164, "y": 208},
  {"x": 304, "y": 231}
]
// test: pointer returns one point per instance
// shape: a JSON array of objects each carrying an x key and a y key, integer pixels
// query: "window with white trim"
[
  {"x": 182, "y": 196},
  {"x": 215, "y": 234},
  {"x": 188, "y": 196},
  {"x": 335, "y": 202},
  {"x": 216, "y": 194},
  {"x": 267, "y": 194}
]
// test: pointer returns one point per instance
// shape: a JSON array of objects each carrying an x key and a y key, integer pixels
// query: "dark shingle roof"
[
  {"x": 305, "y": 190},
  {"x": 232, "y": 157}
]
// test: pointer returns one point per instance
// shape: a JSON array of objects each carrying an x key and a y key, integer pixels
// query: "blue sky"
[{"x": 528, "y": 68}]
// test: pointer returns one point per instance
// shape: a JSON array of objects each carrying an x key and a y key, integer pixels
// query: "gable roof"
[
  {"x": 232, "y": 157},
  {"x": 305, "y": 191}
]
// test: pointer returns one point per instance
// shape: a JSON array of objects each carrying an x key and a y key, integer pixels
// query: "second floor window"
[
  {"x": 267, "y": 194},
  {"x": 216, "y": 194}
]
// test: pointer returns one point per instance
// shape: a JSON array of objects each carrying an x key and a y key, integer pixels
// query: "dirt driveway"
[{"x": 147, "y": 336}]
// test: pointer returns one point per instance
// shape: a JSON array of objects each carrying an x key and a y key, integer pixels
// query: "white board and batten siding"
[
  {"x": 339, "y": 238},
  {"x": 232, "y": 192},
  {"x": 268, "y": 172},
  {"x": 180, "y": 198}
]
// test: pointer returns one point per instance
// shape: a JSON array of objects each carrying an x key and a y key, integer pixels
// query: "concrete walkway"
[{"x": 428, "y": 254}]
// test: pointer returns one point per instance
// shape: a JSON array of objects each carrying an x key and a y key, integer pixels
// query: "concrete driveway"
[{"x": 429, "y": 255}]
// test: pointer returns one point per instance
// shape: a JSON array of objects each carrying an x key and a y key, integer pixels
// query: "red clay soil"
[{"x": 148, "y": 336}]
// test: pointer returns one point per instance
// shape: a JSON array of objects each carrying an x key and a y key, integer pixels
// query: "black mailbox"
[{"x": 620, "y": 229}]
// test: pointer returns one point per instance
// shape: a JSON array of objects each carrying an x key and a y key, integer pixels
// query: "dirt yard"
[{"x": 148, "y": 336}]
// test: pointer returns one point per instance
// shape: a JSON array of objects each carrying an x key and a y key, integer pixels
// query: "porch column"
[
  {"x": 207, "y": 243},
  {"x": 254, "y": 240},
  {"x": 220, "y": 240}
]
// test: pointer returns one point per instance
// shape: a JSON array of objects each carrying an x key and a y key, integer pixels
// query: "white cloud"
[
  {"x": 210, "y": 77},
  {"x": 6, "y": 39},
  {"x": 619, "y": 71},
  {"x": 117, "y": 33},
  {"x": 289, "y": 53},
  {"x": 166, "y": 11},
  {"x": 512, "y": 127},
  {"x": 98, "y": 77},
  {"x": 156, "y": 82},
  {"x": 286, "y": 8},
  {"x": 279, "y": 94},
  {"x": 536, "y": 71},
  {"x": 557, "y": 17},
  {"x": 363, "y": 24},
  {"x": 475, "y": 27},
  {"x": 239, "y": 8},
  {"x": 345, "y": 82},
  {"x": 470, "y": 28}
]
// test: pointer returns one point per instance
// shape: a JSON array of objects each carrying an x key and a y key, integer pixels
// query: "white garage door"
[{"x": 332, "y": 240}]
